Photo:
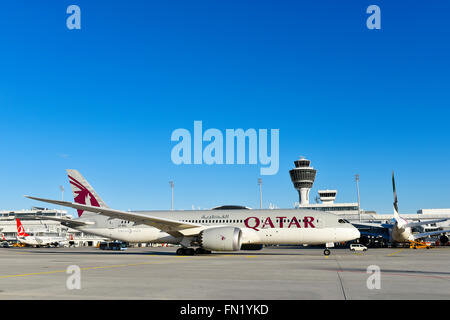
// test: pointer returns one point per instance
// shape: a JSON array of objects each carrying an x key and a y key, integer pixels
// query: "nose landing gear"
[{"x": 326, "y": 252}]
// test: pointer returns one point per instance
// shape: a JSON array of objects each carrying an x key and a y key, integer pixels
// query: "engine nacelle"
[
  {"x": 443, "y": 239},
  {"x": 221, "y": 239}
]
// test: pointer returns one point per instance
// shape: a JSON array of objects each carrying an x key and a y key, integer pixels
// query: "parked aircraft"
[
  {"x": 204, "y": 230},
  {"x": 37, "y": 241},
  {"x": 400, "y": 230}
]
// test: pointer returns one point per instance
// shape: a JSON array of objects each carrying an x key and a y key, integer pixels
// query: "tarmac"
[{"x": 288, "y": 273}]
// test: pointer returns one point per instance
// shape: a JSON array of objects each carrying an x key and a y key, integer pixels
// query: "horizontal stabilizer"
[
  {"x": 373, "y": 225},
  {"x": 67, "y": 222}
]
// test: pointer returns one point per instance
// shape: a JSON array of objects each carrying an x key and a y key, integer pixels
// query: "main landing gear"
[
  {"x": 326, "y": 252},
  {"x": 191, "y": 251}
]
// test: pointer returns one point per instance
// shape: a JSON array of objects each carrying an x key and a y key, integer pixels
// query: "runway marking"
[
  {"x": 391, "y": 254},
  {"x": 340, "y": 279},
  {"x": 389, "y": 273},
  {"x": 31, "y": 274},
  {"x": 84, "y": 268}
]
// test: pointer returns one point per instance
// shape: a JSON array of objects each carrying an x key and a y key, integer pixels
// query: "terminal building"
[{"x": 34, "y": 223}]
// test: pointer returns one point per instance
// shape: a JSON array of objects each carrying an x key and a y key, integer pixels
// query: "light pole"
[
  {"x": 260, "y": 192},
  {"x": 171, "y": 186},
  {"x": 62, "y": 196},
  {"x": 62, "y": 192},
  {"x": 357, "y": 191}
]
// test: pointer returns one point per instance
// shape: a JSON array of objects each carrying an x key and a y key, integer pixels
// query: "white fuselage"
[
  {"x": 42, "y": 241},
  {"x": 258, "y": 226}
]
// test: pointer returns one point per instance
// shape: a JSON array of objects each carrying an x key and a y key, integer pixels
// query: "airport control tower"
[{"x": 302, "y": 177}]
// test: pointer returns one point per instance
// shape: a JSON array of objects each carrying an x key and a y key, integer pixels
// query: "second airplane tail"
[
  {"x": 396, "y": 215},
  {"x": 20, "y": 229}
]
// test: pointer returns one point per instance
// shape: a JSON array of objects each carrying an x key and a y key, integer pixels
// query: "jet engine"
[
  {"x": 443, "y": 239},
  {"x": 221, "y": 239}
]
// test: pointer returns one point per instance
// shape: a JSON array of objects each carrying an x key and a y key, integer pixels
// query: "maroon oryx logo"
[{"x": 82, "y": 195}]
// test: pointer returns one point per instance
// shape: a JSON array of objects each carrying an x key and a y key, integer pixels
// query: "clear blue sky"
[{"x": 105, "y": 99}]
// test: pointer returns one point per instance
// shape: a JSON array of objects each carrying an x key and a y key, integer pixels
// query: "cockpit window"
[{"x": 341, "y": 221}]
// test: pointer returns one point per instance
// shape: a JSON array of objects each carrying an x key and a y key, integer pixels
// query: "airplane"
[
  {"x": 3, "y": 238},
  {"x": 204, "y": 230},
  {"x": 37, "y": 241},
  {"x": 400, "y": 230}
]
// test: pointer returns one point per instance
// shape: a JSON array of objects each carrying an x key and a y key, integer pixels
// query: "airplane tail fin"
[
  {"x": 82, "y": 191},
  {"x": 396, "y": 216},
  {"x": 20, "y": 229}
]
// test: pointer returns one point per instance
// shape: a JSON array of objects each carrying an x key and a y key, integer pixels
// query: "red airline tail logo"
[
  {"x": 20, "y": 229},
  {"x": 3, "y": 237},
  {"x": 83, "y": 195}
]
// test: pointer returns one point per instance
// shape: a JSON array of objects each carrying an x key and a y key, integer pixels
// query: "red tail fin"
[{"x": 20, "y": 229}]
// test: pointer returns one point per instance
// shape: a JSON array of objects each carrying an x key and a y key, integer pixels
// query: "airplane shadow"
[
  {"x": 56, "y": 251},
  {"x": 283, "y": 251}
]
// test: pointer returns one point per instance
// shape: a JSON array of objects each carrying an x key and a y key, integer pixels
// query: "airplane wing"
[
  {"x": 172, "y": 227},
  {"x": 372, "y": 225},
  {"x": 374, "y": 234},
  {"x": 428, "y": 234},
  {"x": 416, "y": 224}
]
